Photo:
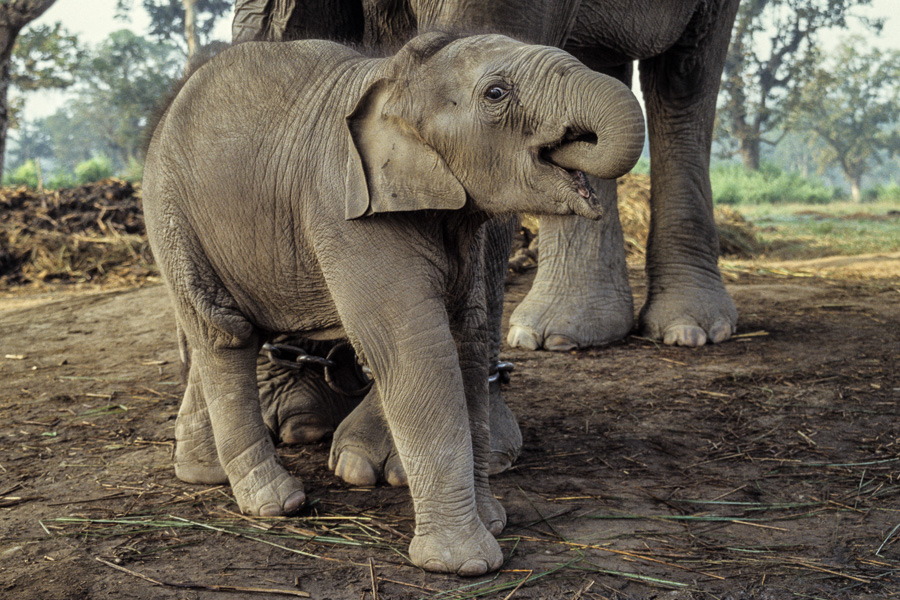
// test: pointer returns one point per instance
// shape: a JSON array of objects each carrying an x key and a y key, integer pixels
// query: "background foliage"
[{"x": 787, "y": 99}]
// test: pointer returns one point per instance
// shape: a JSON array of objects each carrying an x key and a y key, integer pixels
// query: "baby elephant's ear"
[{"x": 390, "y": 168}]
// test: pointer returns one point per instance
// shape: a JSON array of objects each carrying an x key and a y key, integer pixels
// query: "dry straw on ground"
[
  {"x": 737, "y": 236},
  {"x": 92, "y": 233},
  {"x": 95, "y": 233}
]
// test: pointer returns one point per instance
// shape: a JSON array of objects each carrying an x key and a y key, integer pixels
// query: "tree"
[
  {"x": 14, "y": 15},
  {"x": 121, "y": 86},
  {"x": 852, "y": 103},
  {"x": 772, "y": 48},
  {"x": 74, "y": 136},
  {"x": 44, "y": 57},
  {"x": 190, "y": 21},
  {"x": 33, "y": 142}
]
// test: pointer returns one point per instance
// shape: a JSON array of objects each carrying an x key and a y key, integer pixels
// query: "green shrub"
[
  {"x": 643, "y": 166},
  {"x": 59, "y": 180},
  {"x": 24, "y": 175},
  {"x": 887, "y": 192},
  {"x": 733, "y": 184},
  {"x": 97, "y": 168},
  {"x": 134, "y": 172}
]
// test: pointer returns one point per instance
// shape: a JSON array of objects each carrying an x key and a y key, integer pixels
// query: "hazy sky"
[{"x": 94, "y": 24}]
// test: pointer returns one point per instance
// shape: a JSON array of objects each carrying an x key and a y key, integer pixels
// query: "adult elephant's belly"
[{"x": 613, "y": 32}]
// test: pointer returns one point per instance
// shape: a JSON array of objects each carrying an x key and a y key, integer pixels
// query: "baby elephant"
[{"x": 305, "y": 189}]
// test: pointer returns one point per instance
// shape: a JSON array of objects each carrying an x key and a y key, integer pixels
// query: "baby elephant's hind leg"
[
  {"x": 298, "y": 404},
  {"x": 196, "y": 458},
  {"x": 227, "y": 372}
]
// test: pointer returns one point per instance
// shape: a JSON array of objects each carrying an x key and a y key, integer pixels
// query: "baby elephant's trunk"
[{"x": 604, "y": 126}]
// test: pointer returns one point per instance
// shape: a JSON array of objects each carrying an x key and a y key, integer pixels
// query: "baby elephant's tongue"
[{"x": 584, "y": 188}]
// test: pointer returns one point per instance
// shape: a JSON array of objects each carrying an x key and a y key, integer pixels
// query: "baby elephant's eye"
[{"x": 496, "y": 92}]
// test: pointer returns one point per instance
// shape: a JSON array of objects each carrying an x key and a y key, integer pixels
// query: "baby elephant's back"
[
  {"x": 228, "y": 168},
  {"x": 255, "y": 107}
]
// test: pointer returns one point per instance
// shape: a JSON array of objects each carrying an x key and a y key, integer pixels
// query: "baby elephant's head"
[{"x": 511, "y": 127}]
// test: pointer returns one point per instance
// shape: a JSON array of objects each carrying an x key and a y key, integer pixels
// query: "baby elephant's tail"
[{"x": 184, "y": 352}]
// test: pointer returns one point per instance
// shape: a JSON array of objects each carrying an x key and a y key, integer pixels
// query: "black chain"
[
  {"x": 500, "y": 371},
  {"x": 340, "y": 357}
]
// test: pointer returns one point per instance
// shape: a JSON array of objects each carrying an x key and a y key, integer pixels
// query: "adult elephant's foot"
[
  {"x": 506, "y": 438},
  {"x": 580, "y": 296},
  {"x": 468, "y": 550},
  {"x": 362, "y": 451},
  {"x": 491, "y": 512},
  {"x": 261, "y": 485},
  {"x": 689, "y": 316},
  {"x": 298, "y": 406}
]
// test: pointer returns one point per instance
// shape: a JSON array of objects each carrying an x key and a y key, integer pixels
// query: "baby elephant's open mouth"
[{"x": 568, "y": 155}]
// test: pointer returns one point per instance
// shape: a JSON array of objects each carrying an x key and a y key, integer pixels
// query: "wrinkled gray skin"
[
  {"x": 581, "y": 296},
  {"x": 302, "y": 189}
]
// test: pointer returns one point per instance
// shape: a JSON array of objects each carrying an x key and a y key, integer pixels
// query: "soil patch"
[{"x": 764, "y": 467}]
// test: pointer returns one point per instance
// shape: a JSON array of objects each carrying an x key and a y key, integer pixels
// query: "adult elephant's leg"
[
  {"x": 362, "y": 451},
  {"x": 580, "y": 296},
  {"x": 686, "y": 300},
  {"x": 505, "y": 438},
  {"x": 298, "y": 406}
]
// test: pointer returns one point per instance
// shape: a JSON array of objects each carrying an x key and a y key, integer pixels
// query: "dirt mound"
[
  {"x": 737, "y": 236},
  {"x": 95, "y": 233},
  {"x": 91, "y": 233}
]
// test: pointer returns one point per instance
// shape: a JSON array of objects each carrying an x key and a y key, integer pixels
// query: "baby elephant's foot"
[
  {"x": 299, "y": 407},
  {"x": 468, "y": 551},
  {"x": 362, "y": 452},
  {"x": 267, "y": 489},
  {"x": 198, "y": 464}
]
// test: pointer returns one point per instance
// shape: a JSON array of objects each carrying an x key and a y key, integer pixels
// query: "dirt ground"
[{"x": 766, "y": 467}]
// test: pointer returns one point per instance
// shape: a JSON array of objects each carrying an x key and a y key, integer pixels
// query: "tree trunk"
[
  {"x": 856, "y": 189},
  {"x": 14, "y": 15},
  {"x": 190, "y": 31},
  {"x": 749, "y": 152}
]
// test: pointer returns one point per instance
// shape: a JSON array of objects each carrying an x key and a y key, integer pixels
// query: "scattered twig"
[
  {"x": 10, "y": 501},
  {"x": 893, "y": 531},
  {"x": 374, "y": 579},
  {"x": 521, "y": 583},
  {"x": 583, "y": 590},
  {"x": 211, "y": 588}
]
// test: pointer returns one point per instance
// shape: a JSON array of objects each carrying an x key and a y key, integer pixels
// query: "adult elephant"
[{"x": 581, "y": 296}]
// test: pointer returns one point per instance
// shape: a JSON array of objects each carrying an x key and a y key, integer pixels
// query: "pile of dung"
[
  {"x": 88, "y": 234},
  {"x": 737, "y": 236},
  {"x": 95, "y": 234}
]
